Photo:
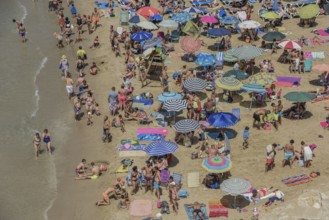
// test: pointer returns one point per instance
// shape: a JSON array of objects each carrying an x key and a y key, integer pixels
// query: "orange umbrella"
[
  {"x": 148, "y": 11},
  {"x": 190, "y": 45},
  {"x": 321, "y": 67}
]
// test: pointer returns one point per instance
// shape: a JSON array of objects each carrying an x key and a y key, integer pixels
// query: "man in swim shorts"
[
  {"x": 93, "y": 175},
  {"x": 148, "y": 176},
  {"x": 257, "y": 117},
  {"x": 156, "y": 182},
  {"x": 289, "y": 153},
  {"x": 197, "y": 210},
  {"x": 22, "y": 32}
]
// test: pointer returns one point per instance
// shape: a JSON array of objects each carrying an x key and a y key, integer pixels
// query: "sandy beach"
[{"x": 76, "y": 199}]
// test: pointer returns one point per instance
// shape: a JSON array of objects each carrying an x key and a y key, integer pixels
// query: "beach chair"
[
  {"x": 124, "y": 18},
  {"x": 308, "y": 65},
  {"x": 236, "y": 112},
  {"x": 174, "y": 36},
  {"x": 242, "y": 15}
]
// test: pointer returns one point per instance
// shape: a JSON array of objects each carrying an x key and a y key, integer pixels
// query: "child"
[
  {"x": 245, "y": 138},
  {"x": 89, "y": 117},
  {"x": 173, "y": 197},
  {"x": 97, "y": 111}
]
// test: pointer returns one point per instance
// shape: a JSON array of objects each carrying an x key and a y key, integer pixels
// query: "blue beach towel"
[
  {"x": 102, "y": 5},
  {"x": 150, "y": 137},
  {"x": 189, "y": 212}
]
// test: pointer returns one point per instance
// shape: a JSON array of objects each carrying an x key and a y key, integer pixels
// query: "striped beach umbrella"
[
  {"x": 247, "y": 52},
  {"x": 290, "y": 44},
  {"x": 222, "y": 119},
  {"x": 168, "y": 24},
  {"x": 186, "y": 125},
  {"x": 195, "y": 84},
  {"x": 147, "y": 25},
  {"x": 237, "y": 74},
  {"x": 217, "y": 164},
  {"x": 229, "y": 83},
  {"x": 174, "y": 105},
  {"x": 262, "y": 79},
  {"x": 141, "y": 36},
  {"x": 152, "y": 42},
  {"x": 228, "y": 57},
  {"x": 235, "y": 186},
  {"x": 160, "y": 148},
  {"x": 167, "y": 96}
]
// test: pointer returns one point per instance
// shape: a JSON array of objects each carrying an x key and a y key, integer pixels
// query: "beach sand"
[{"x": 76, "y": 199}]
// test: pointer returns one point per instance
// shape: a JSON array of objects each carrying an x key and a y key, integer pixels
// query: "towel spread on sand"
[
  {"x": 132, "y": 153},
  {"x": 287, "y": 81},
  {"x": 161, "y": 131},
  {"x": 297, "y": 180},
  {"x": 141, "y": 208},
  {"x": 193, "y": 179},
  {"x": 189, "y": 212},
  {"x": 322, "y": 32}
]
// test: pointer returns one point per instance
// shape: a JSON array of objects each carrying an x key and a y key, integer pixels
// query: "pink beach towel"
[
  {"x": 322, "y": 33},
  {"x": 283, "y": 84},
  {"x": 161, "y": 131},
  {"x": 324, "y": 124},
  {"x": 308, "y": 55},
  {"x": 141, "y": 208}
]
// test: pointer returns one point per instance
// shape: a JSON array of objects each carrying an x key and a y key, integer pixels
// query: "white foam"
[
  {"x": 24, "y": 11},
  {"x": 53, "y": 186},
  {"x": 36, "y": 92}
]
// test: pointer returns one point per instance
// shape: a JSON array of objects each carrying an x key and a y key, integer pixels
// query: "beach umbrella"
[
  {"x": 238, "y": 74},
  {"x": 262, "y": 79},
  {"x": 152, "y": 42},
  {"x": 229, "y": 20},
  {"x": 191, "y": 29},
  {"x": 192, "y": 10},
  {"x": 228, "y": 57},
  {"x": 168, "y": 24},
  {"x": 309, "y": 11},
  {"x": 189, "y": 44},
  {"x": 141, "y": 36},
  {"x": 217, "y": 164},
  {"x": 247, "y": 52},
  {"x": 156, "y": 18},
  {"x": 186, "y": 125},
  {"x": 299, "y": 96},
  {"x": 274, "y": 35},
  {"x": 160, "y": 148},
  {"x": 321, "y": 67},
  {"x": 218, "y": 32},
  {"x": 181, "y": 17},
  {"x": 249, "y": 24},
  {"x": 147, "y": 11},
  {"x": 275, "y": 5},
  {"x": 253, "y": 88},
  {"x": 174, "y": 105},
  {"x": 209, "y": 19},
  {"x": 222, "y": 119},
  {"x": 235, "y": 187},
  {"x": 136, "y": 19},
  {"x": 205, "y": 59},
  {"x": 290, "y": 44},
  {"x": 167, "y": 96},
  {"x": 194, "y": 84},
  {"x": 229, "y": 83},
  {"x": 271, "y": 15},
  {"x": 147, "y": 25}
]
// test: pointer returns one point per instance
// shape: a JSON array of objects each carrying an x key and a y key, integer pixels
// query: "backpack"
[{"x": 165, "y": 207}]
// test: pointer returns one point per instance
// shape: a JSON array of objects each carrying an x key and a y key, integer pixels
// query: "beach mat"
[
  {"x": 150, "y": 137},
  {"x": 161, "y": 131},
  {"x": 121, "y": 169},
  {"x": 189, "y": 213},
  {"x": 295, "y": 81},
  {"x": 132, "y": 153},
  {"x": 322, "y": 33},
  {"x": 193, "y": 179},
  {"x": 296, "y": 180},
  {"x": 283, "y": 84},
  {"x": 141, "y": 208}
]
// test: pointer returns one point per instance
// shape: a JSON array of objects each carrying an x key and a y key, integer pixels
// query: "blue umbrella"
[
  {"x": 222, "y": 119},
  {"x": 159, "y": 148},
  {"x": 229, "y": 20},
  {"x": 152, "y": 42},
  {"x": 205, "y": 59},
  {"x": 141, "y": 36},
  {"x": 182, "y": 17},
  {"x": 192, "y": 10},
  {"x": 218, "y": 32},
  {"x": 167, "y": 96},
  {"x": 156, "y": 17}
]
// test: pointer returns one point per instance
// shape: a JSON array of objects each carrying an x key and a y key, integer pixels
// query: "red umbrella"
[
  {"x": 148, "y": 11},
  {"x": 290, "y": 44},
  {"x": 190, "y": 45}
]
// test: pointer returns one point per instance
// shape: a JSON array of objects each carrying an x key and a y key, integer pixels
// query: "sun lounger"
[
  {"x": 124, "y": 18},
  {"x": 193, "y": 179},
  {"x": 216, "y": 209},
  {"x": 141, "y": 208},
  {"x": 189, "y": 212}
]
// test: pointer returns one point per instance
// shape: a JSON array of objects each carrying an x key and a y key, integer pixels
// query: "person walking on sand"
[
  {"x": 246, "y": 135},
  {"x": 36, "y": 142},
  {"x": 113, "y": 101},
  {"x": 156, "y": 182},
  {"x": 46, "y": 140},
  {"x": 69, "y": 86},
  {"x": 22, "y": 32},
  {"x": 270, "y": 155},
  {"x": 95, "y": 16},
  {"x": 64, "y": 65},
  {"x": 81, "y": 54},
  {"x": 106, "y": 128},
  {"x": 148, "y": 176}
]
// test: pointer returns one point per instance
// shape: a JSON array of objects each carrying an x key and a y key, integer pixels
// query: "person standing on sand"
[
  {"x": 36, "y": 142},
  {"x": 46, "y": 140},
  {"x": 148, "y": 176},
  {"x": 79, "y": 27},
  {"x": 289, "y": 153},
  {"x": 113, "y": 101},
  {"x": 106, "y": 128},
  {"x": 69, "y": 86},
  {"x": 156, "y": 182},
  {"x": 64, "y": 65},
  {"x": 270, "y": 155},
  {"x": 22, "y": 32},
  {"x": 81, "y": 54},
  {"x": 246, "y": 136},
  {"x": 95, "y": 18}
]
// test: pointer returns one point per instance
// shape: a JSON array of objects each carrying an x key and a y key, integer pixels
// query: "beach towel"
[
  {"x": 161, "y": 131},
  {"x": 287, "y": 81},
  {"x": 193, "y": 179},
  {"x": 296, "y": 180},
  {"x": 150, "y": 137},
  {"x": 129, "y": 147},
  {"x": 189, "y": 212},
  {"x": 102, "y": 5},
  {"x": 318, "y": 55},
  {"x": 216, "y": 209},
  {"x": 132, "y": 153},
  {"x": 141, "y": 208},
  {"x": 322, "y": 33},
  {"x": 123, "y": 169},
  {"x": 141, "y": 99}
]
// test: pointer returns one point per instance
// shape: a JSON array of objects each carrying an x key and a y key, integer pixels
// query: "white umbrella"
[
  {"x": 249, "y": 24},
  {"x": 168, "y": 24},
  {"x": 147, "y": 25}
]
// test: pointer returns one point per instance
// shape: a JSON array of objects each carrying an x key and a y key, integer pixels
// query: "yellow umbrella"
[
  {"x": 309, "y": 11},
  {"x": 229, "y": 83},
  {"x": 270, "y": 15}
]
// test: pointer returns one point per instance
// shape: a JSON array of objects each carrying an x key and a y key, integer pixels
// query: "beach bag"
[
  {"x": 165, "y": 207},
  {"x": 183, "y": 193},
  {"x": 158, "y": 204}
]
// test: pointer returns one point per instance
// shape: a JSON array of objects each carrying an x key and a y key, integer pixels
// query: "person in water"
[
  {"x": 36, "y": 142},
  {"x": 46, "y": 140},
  {"x": 22, "y": 32}
]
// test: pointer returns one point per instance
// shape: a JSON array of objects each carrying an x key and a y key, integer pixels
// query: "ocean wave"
[
  {"x": 24, "y": 11},
  {"x": 36, "y": 92}
]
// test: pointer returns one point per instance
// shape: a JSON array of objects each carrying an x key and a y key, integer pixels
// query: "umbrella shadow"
[
  {"x": 189, "y": 57},
  {"x": 202, "y": 95},
  {"x": 306, "y": 115},
  {"x": 236, "y": 98},
  {"x": 228, "y": 201},
  {"x": 247, "y": 103},
  {"x": 215, "y": 133},
  {"x": 174, "y": 161},
  {"x": 216, "y": 47},
  {"x": 315, "y": 82}
]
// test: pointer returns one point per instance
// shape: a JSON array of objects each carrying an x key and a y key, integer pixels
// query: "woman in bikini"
[
  {"x": 106, "y": 128},
  {"x": 88, "y": 22},
  {"x": 122, "y": 97},
  {"x": 46, "y": 140},
  {"x": 36, "y": 142},
  {"x": 301, "y": 62},
  {"x": 134, "y": 175},
  {"x": 173, "y": 197},
  {"x": 80, "y": 66},
  {"x": 95, "y": 18}
]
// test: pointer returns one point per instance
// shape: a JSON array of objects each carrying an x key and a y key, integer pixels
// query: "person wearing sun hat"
[{"x": 64, "y": 65}]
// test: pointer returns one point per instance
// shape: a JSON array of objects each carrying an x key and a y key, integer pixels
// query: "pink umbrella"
[
  {"x": 321, "y": 67},
  {"x": 290, "y": 44},
  {"x": 209, "y": 19},
  {"x": 190, "y": 45}
]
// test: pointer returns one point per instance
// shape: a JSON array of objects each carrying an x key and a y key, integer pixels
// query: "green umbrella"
[
  {"x": 228, "y": 57},
  {"x": 309, "y": 11},
  {"x": 238, "y": 74},
  {"x": 274, "y": 35},
  {"x": 270, "y": 15},
  {"x": 299, "y": 96}
]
